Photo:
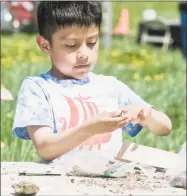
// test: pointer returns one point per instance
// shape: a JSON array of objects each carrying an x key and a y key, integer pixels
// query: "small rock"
[
  {"x": 137, "y": 168},
  {"x": 72, "y": 180},
  {"x": 26, "y": 188},
  {"x": 179, "y": 180}
]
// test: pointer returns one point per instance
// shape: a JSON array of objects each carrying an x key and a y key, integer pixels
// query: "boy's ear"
[{"x": 43, "y": 44}]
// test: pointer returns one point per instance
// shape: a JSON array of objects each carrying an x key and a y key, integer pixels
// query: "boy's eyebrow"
[
  {"x": 74, "y": 37},
  {"x": 94, "y": 35}
]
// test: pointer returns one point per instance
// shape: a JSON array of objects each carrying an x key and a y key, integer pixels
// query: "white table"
[{"x": 70, "y": 185}]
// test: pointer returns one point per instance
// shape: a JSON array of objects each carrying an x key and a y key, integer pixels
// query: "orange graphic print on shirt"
[{"x": 87, "y": 109}]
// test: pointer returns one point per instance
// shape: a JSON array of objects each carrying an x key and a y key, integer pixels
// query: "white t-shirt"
[{"x": 61, "y": 104}]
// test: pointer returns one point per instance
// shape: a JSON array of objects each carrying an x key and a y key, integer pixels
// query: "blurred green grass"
[{"x": 158, "y": 77}]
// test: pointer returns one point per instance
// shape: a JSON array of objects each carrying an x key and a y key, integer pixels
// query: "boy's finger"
[
  {"x": 120, "y": 118},
  {"x": 137, "y": 120},
  {"x": 133, "y": 114},
  {"x": 117, "y": 113},
  {"x": 124, "y": 123},
  {"x": 115, "y": 121}
]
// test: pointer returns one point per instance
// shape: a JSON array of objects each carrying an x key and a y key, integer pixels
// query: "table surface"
[{"x": 73, "y": 185}]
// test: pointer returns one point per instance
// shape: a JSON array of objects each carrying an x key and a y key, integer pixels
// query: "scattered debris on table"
[{"x": 102, "y": 174}]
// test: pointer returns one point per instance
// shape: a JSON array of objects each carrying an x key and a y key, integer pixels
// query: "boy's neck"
[{"x": 58, "y": 75}]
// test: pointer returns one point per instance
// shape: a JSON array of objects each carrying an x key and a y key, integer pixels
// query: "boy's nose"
[
  {"x": 81, "y": 56},
  {"x": 82, "y": 53}
]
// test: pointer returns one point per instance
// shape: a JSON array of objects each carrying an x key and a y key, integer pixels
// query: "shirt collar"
[{"x": 65, "y": 82}]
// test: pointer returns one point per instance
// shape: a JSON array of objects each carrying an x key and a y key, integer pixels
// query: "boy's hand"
[
  {"x": 138, "y": 113},
  {"x": 107, "y": 122}
]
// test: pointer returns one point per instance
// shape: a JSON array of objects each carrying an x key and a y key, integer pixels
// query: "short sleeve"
[
  {"x": 32, "y": 108},
  {"x": 126, "y": 96}
]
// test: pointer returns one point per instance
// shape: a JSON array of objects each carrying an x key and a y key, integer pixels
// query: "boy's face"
[{"x": 73, "y": 51}]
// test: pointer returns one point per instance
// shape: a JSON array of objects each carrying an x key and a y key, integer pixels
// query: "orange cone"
[{"x": 122, "y": 27}]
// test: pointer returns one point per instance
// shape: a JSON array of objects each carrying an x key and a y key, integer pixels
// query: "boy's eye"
[
  {"x": 70, "y": 46},
  {"x": 93, "y": 43},
  {"x": 76, "y": 45}
]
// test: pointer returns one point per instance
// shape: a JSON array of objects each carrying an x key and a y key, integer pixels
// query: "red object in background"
[
  {"x": 22, "y": 10},
  {"x": 122, "y": 27}
]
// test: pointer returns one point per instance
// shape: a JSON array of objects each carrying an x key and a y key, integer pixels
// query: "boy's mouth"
[{"x": 83, "y": 66}]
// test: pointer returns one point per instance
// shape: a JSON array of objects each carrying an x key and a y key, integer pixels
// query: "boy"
[{"x": 69, "y": 108}]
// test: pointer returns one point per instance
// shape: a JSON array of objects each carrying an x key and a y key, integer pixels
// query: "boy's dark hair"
[{"x": 52, "y": 15}]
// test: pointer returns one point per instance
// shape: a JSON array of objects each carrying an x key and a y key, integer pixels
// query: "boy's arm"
[
  {"x": 155, "y": 121},
  {"x": 158, "y": 123},
  {"x": 50, "y": 146}
]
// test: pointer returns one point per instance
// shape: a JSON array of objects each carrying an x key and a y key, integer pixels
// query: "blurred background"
[{"x": 143, "y": 44}]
